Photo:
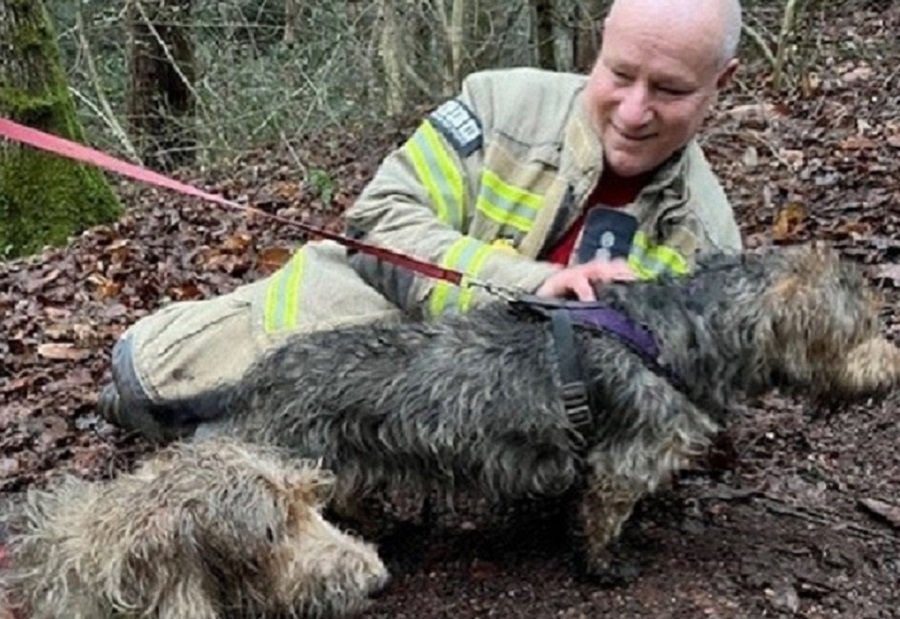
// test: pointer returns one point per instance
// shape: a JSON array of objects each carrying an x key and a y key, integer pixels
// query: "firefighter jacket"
[{"x": 493, "y": 178}]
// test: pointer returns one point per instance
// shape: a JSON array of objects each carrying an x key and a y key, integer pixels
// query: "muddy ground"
[{"x": 794, "y": 513}]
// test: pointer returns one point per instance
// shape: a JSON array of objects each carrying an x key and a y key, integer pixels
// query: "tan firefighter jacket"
[{"x": 492, "y": 179}]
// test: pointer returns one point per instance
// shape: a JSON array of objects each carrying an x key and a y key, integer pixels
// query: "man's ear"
[{"x": 726, "y": 75}]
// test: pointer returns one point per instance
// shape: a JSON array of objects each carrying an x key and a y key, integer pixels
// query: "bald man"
[
  {"x": 538, "y": 181},
  {"x": 660, "y": 68}
]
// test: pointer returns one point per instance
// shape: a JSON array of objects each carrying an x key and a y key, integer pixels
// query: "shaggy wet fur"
[
  {"x": 204, "y": 531},
  {"x": 475, "y": 400}
]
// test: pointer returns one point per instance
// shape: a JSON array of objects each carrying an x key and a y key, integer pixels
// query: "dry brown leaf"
[
  {"x": 888, "y": 271},
  {"x": 58, "y": 314},
  {"x": 8, "y": 467},
  {"x": 788, "y": 221},
  {"x": 85, "y": 333},
  {"x": 186, "y": 292},
  {"x": 750, "y": 158},
  {"x": 237, "y": 243},
  {"x": 857, "y": 142},
  {"x": 889, "y": 512},
  {"x": 854, "y": 229},
  {"x": 271, "y": 259},
  {"x": 56, "y": 331},
  {"x": 793, "y": 157},
  {"x": 863, "y": 72},
  {"x": 61, "y": 352},
  {"x": 106, "y": 288},
  {"x": 288, "y": 190},
  {"x": 50, "y": 277}
]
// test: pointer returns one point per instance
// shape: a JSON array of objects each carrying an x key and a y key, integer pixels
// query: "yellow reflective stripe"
[
  {"x": 272, "y": 302},
  {"x": 438, "y": 173},
  {"x": 465, "y": 297},
  {"x": 638, "y": 268},
  {"x": 511, "y": 193},
  {"x": 425, "y": 177},
  {"x": 451, "y": 173},
  {"x": 440, "y": 296},
  {"x": 507, "y": 204},
  {"x": 502, "y": 216},
  {"x": 283, "y": 296},
  {"x": 466, "y": 255},
  {"x": 293, "y": 291},
  {"x": 650, "y": 260}
]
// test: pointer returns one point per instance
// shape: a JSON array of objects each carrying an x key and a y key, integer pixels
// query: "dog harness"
[{"x": 581, "y": 408}]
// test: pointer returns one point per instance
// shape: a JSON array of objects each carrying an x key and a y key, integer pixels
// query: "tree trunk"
[
  {"x": 587, "y": 34},
  {"x": 293, "y": 14},
  {"x": 161, "y": 103},
  {"x": 453, "y": 33},
  {"x": 390, "y": 47},
  {"x": 565, "y": 14},
  {"x": 543, "y": 33},
  {"x": 456, "y": 38},
  {"x": 43, "y": 199}
]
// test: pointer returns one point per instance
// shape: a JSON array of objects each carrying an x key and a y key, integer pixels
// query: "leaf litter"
[{"x": 792, "y": 514}]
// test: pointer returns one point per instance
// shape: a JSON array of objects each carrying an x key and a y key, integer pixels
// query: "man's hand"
[{"x": 579, "y": 279}]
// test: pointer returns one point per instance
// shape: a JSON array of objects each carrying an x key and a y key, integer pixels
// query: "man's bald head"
[
  {"x": 716, "y": 21},
  {"x": 661, "y": 66}
]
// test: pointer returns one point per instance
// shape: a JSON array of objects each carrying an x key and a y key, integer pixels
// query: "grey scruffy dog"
[
  {"x": 216, "y": 530},
  {"x": 475, "y": 399}
]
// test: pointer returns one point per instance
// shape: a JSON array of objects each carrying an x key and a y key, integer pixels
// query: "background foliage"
[{"x": 272, "y": 70}]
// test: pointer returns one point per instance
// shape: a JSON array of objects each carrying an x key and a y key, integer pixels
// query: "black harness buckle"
[{"x": 578, "y": 410}]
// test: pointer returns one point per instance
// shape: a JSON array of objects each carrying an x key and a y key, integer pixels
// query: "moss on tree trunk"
[{"x": 44, "y": 199}]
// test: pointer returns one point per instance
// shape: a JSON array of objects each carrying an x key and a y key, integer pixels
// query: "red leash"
[{"x": 72, "y": 150}]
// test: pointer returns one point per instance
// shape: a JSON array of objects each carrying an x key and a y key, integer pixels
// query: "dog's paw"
[{"x": 615, "y": 565}]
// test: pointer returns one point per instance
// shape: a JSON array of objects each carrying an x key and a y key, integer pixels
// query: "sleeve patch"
[{"x": 459, "y": 126}]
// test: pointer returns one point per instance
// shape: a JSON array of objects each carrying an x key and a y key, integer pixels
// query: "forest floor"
[{"x": 794, "y": 514}]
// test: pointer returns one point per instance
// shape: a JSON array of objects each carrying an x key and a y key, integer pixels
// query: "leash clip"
[{"x": 504, "y": 293}]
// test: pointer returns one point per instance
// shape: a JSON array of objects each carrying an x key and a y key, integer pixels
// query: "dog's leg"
[
  {"x": 604, "y": 506},
  {"x": 623, "y": 472}
]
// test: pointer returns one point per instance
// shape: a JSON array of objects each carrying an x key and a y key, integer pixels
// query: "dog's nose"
[{"x": 379, "y": 585}]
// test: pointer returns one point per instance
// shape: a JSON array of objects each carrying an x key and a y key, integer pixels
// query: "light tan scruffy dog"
[{"x": 205, "y": 531}]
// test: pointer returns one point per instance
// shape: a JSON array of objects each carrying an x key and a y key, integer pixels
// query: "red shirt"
[{"x": 612, "y": 191}]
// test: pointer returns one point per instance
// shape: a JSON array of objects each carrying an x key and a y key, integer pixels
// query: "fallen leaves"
[
  {"x": 892, "y": 131},
  {"x": 9, "y": 467},
  {"x": 106, "y": 287},
  {"x": 888, "y": 273},
  {"x": 788, "y": 222},
  {"x": 271, "y": 259},
  {"x": 886, "y": 511},
  {"x": 61, "y": 352},
  {"x": 63, "y": 311},
  {"x": 857, "y": 74},
  {"x": 857, "y": 142}
]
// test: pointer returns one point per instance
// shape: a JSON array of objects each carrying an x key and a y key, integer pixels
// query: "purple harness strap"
[
  {"x": 563, "y": 315},
  {"x": 638, "y": 338}
]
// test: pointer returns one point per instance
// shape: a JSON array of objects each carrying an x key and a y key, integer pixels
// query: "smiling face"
[{"x": 659, "y": 70}]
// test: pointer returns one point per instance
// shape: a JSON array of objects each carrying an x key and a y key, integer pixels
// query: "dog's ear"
[{"x": 312, "y": 484}]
